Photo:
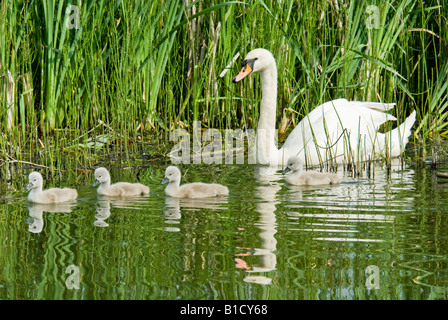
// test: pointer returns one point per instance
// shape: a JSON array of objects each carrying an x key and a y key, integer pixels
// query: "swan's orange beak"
[{"x": 243, "y": 73}]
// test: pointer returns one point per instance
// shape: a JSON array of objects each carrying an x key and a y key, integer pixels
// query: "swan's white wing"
[
  {"x": 324, "y": 126},
  {"x": 349, "y": 112},
  {"x": 378, "y": 106}
]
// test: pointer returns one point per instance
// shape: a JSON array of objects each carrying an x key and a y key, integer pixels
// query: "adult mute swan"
[
  {"x": 190, "y": 190},
  {"x": 119, "y": 189},
  {"x": 52, "y": 195},
  {"x": 309, "y": 178},
  {"x": 338, "y": 130}
]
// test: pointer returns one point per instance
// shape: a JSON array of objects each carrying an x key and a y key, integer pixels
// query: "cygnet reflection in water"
[{"x": 36, "y": 210}]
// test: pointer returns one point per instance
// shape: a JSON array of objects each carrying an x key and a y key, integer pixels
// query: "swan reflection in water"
[
  {"x": 102, "y": 213},
  {"x": 268, "y": 185},
  {"x": 173, "y": 206},
  {"x": 36, "y": 210},
  {"x": 332, "y": 198},
  {"x": 104, "y": 204}
]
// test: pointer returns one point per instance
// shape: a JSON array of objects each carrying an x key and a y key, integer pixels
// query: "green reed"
[{"x": 134, "y": 70}]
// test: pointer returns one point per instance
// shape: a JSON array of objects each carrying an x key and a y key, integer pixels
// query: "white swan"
[
  {"x": 309, "y": 178},
  {"x": 119, "y": 189},
  {"x": 333, "y": 131},
  {"x": 190, "y": 190},
  {"x": 52, "y": 195}
]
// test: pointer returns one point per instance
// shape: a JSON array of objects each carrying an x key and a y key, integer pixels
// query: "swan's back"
[
  {"x": 124, "y": 189},
  {"x": 53, "y": 195},
  {"x": 202, "y": 190},
  {"x": 329, "y": 119},
  {"x": 310, "y": 178},
  {"x": 322, "y": 131}
]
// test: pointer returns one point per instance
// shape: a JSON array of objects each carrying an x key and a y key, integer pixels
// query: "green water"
[{"x": 265, "y": 241}]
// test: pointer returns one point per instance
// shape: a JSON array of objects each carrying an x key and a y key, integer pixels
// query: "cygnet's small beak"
[
  {"x": 29, "y": 187},
  {"x": 95, "y": 183},
  {"x": 286, "y": 170},
  {"x": 165, "y": 180}
]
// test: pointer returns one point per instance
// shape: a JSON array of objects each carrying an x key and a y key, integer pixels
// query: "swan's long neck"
[
  {"x": 298, "y": 171},
  {"x": 36, "y": 191},
  {"x": 173, "y": 187},
  {"x": 267, "y": 152},
  {"x": 175, "y": 184},
  {"x": 106, "y": 184}
]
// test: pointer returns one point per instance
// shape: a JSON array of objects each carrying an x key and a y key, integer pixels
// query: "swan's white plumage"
[
  {"x": 297, "y": 176},
  {"x": 119, "y": 189},
  {"x": 52, "y": 195},
  {"x": 324, "y": 126},
  {"x": 190, "y": 190}
]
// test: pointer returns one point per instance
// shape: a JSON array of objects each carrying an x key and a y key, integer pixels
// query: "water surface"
[{"x": 267, "y": 240}]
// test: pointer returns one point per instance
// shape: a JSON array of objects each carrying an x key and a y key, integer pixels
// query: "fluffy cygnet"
[
  {"x": 308, "y": 178},
  {"x": 53, "y": 195},
  {"x": 190, "y": 190},
  {"x": 119, "y": 189}
]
